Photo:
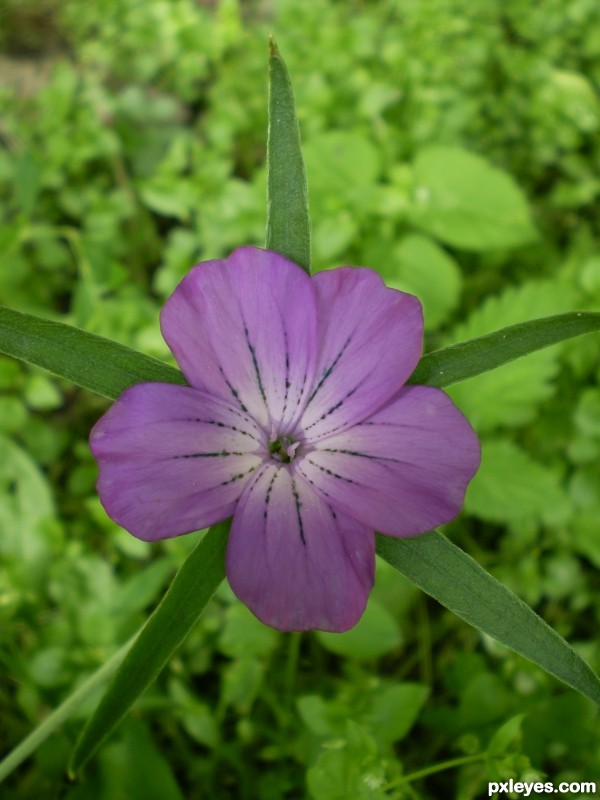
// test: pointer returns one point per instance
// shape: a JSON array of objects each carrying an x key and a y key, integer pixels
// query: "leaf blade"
[
  {"x": 93, "y": 362},
  {"x": 288, "y": 221},
  {"x": 162, "y": 634},
  {"x": 455, "y": 580},
  {"x": 458, "y": 362},
  {"x": 108, "y": 368}
]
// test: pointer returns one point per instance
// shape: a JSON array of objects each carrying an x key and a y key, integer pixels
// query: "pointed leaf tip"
[{"x": 288, "y": 222}]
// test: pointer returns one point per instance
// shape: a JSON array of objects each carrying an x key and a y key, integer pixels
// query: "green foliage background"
[{"x": 451, "y": 145}]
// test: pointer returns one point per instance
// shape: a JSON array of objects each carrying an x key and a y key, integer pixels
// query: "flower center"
[{"x": 283, "y": 449}]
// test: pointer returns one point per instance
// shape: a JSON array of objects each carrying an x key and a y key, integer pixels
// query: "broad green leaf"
[
  {"x": 168, "y": 626},
  {"x": 510, "y": 396},
  {"x": 288, "y": 222},
  {"x": 422, "y": 268},
  {"x": 98, "y": 364},
  {"x": 458, "y": 362},
  {"x": 458, "y": 582},
  {"x": 465, "y": 201},
  {"x": 511, "y": 487}
]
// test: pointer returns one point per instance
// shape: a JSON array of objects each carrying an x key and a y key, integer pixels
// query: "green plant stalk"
[{"x": 452, "y": 763}]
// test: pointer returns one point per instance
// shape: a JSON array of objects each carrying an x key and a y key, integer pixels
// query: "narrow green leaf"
[
  {"x": 288, "y": 222},
  {"x": 165, "y": 630},
  {"x": 107, "y": 368},
  {"x": 61, "y": 714},
  {"x": 91, "y": 361},
  {"x": 456, "y": 581},
  {"x": 461, "y": 361}
]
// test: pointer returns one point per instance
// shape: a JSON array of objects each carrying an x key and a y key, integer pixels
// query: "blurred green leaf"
[
  {"x": 42, "y": 393},
  {"x": 511, "y": 487},
  {"x": 424, "y": 269},
  {"x": 510, "y": 396},
  {"x": 343, "y": 168},
  {"x": 135, "y": 593},
  {"x": 185, "y": 600},
  {"x": 244, "y": 635},
  {"x": 134, "y": 767},
  {"x": 196, "y": 716},
  {"x": 375, "y": 634},
  {"x": 27, "y": 180},
  {"x": 506, "y": 736},
  {"x": 395, "y": 710},
  {"x": 465, "y": 201},
  {"x": 288, "y": 222},
  {"x": 27, "y": 506},
  {"x": 315, "y": 714},
  {"x": 458, "y": 582},
  {"x": 241, "y": 681},
  {"x": 348, "y": 768}
]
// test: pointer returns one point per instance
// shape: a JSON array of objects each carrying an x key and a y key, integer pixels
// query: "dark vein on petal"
[
  {"x": 268, "y": 494},
  {"x": 298, "y": 514},
  {"x": 256, "y": 367},
  {"x": 312, "y": 483},
  {"x": 287, "y": 373},
  {"x": 301, "y": 392},
  {"x": 361, "y": 455},
  {"x": 327, "y": 372},
  {"x": 233, "y": 391},
  {"x": 219, "y": 454},
  {"x": 331, "y": 411},
  {"x": 221, "y": 425},
  {"x": 238, "y": 477},
  {"x": 330, "y": 472}
]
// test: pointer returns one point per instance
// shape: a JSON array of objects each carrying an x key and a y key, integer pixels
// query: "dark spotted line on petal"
[{"x": 327, "y": 372}]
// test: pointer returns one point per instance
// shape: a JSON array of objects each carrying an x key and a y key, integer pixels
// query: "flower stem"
[{"x": 444, "y": 765}]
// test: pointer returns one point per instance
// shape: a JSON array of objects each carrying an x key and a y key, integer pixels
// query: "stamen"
[{"x": 283, "y": 449}]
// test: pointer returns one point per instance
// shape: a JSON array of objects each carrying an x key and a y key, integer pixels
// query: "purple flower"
[{"x": 297, "y": 423}]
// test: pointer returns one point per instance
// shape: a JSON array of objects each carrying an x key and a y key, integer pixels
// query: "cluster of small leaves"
[{"x": 132, "y": 146}]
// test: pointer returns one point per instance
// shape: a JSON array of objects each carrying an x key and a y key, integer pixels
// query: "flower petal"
[
  {"x": 370, "y": 342},
  {"x": 172, "y": 459},
  {"x": 245, "y": 329},
  {"x": 293, "y": 560},
  {"x": 404, "y": 470}
]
